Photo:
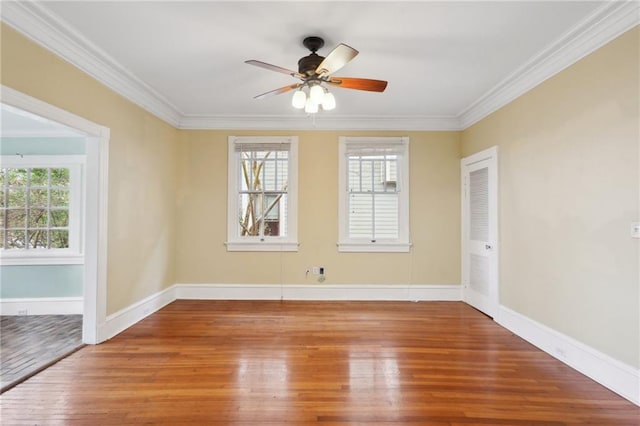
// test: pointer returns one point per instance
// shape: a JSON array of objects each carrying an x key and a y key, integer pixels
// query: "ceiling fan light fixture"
[
  {"x": 316, "y": 94},
  {"x": 328, "y": 101},
  {"x": 299, "y": 99},
  {"x": 310, "y": 106},
  {"x": 314, "y": 71}
]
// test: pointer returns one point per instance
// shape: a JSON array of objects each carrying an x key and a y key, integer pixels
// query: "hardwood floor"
[
  {"x": 268, "y": 362},
  {"x": 29, "y": 344}
]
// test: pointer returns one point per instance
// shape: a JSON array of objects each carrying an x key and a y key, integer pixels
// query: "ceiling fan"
[{"x": 314, "y": 71}]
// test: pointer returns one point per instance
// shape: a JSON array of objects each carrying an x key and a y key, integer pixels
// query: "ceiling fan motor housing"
[{"x": 308, "y": 64}]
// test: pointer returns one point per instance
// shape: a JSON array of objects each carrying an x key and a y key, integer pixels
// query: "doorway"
[
  {"x": 480, "y": 253},
  {"x": 94, "y": 270}
]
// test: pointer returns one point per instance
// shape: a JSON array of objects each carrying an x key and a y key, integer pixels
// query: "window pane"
[
  {"x": 283, "y": 175},
  {"x": 269, "y": 180},
  {"x": 16, "y": 218},
  {"x": 15, "y": 239},
  {"x": 17, "y": 198},
  {"x": 271, "y": 207},
  {"x": 59, "y": 198},
  {"x": 386, "y": 216},
  {"x": 378, "y": 175},
  {"x": 360, "y": 215},
  {"x": 392, "y": 169},
  {"x": 272, "y": 215},
  {"x": 59, "y": 218},
  {"x": 366, "y": 176},
  {"x": 248, "y": 214},
  {"x": 38, "y": 238},
  {"x": 283, "y": 215},
  {"x": 2, "y": 198},
  {"x": 39, "y": 197},
  {"x": 1, "y": 238},
  {"x": 2, "y": 216},
  {"x": 60, "y": 177},
  {"x": 3, "y": 174},
  {"x": 354, "y": 175},
  {"x": 39, "y": 177},
  {"x": 37, "y": 218},
  {"x": 243, "y": 175},
  {"x": 59, "y": 239},
  {"x": 252, "y": 175},
  {"x": 17, "y": 177}
]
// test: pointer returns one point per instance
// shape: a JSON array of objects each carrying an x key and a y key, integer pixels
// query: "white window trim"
[
  {"x": 74, "y": 255},
  {"x": 352, "y": 245},
  {"x": 265, "y": 243}
]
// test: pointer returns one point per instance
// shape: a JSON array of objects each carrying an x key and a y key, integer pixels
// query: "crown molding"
[
  {"x": 319, "y": 122},
  {"x": 603, "y": 25},
  {"x": 47, "y": 30},
  {"x": 41, "y": 26}
]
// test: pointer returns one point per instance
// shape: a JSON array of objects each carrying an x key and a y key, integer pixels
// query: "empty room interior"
[{"x": 445, "y": 231}]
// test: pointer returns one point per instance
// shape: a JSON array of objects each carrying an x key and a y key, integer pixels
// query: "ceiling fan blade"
[
  {"x": 274, "y": 68},
  {"x": 358, "y": 83},
  {"x": 337, "y": 59},
  {"x": 278, "y": 91}
]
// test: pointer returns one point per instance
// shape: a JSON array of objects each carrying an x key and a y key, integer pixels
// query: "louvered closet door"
[{"x": 480, "y": 254}]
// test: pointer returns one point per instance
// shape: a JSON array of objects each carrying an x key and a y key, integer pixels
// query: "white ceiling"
[{"x": 446, "y": 62}]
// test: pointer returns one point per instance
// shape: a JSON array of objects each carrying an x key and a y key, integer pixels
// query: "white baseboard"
[
  {"x": 118, "y": 322},
  {"x": 613, "y": 374},
  {"x": 319, "y": 292},
  {"x": 42, "y": 306}
]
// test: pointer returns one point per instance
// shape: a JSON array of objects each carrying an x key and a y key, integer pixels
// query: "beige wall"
[
  {"x": 435, "y": 216},
  {"x": 142, "y": 166},
  {"x": 569, "y": 190}
]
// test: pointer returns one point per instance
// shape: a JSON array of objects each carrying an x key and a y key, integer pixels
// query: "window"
[
  {"x": 41, "y": 210},
  {"x": 262, "y": 203},
  {"x": 374, "y": 194}
]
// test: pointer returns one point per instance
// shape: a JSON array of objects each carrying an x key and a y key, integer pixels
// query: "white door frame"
[
  {"x": 96, "y": 184},
  {"x": 490, "y": 156}
]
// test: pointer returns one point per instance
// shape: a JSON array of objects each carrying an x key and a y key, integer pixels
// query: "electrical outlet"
[
  {"x": 315, "y": 270},
  {"x": 635, "y": 229},
  {"x": 22, "y": 312}
]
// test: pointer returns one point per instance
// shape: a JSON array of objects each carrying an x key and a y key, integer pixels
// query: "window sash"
[
  {"x": 266, "y": 179},
  {"x": 40, "y": 198},
  {"x": 373, "y": 197}
]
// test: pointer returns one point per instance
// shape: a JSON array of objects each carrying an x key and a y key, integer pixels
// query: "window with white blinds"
[
  {"x": 262, "y": 194},
  {"x": 374, "y": 194}
]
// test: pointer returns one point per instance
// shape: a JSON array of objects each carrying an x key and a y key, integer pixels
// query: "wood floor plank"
[{"x": 329, "y": 363}]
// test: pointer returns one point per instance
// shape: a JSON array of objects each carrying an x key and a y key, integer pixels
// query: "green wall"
[
  {"x": 42, "y": 146},
  {"x": 41, "y": 281}
]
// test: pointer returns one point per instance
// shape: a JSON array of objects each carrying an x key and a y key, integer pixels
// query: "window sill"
[
  {"x": 378, "y": 247},
  {"x": 261, "y": 246},
  {"x": 14, "y": 259}
]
